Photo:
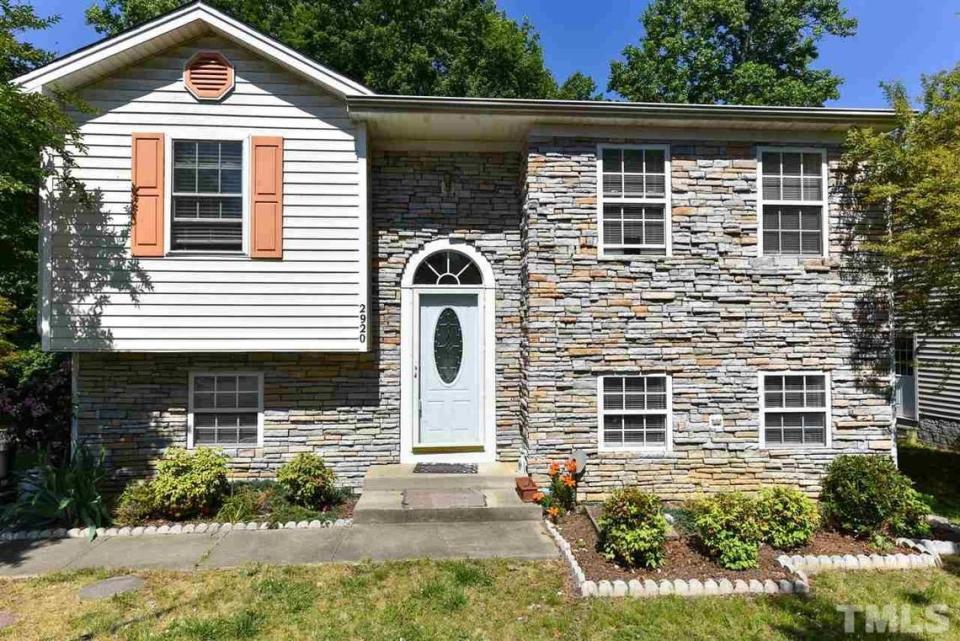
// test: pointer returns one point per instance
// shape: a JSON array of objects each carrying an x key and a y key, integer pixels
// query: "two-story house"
[{"x": 274, "y": 259}]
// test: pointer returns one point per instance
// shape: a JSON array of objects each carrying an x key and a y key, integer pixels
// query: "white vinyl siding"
[
  {"x": 794, "y": 409},
  {"x": 793, "y": 202},
  {"x": 226, "y": 410},
  {"x": 635, "y": 412},
  {"x": 633, "y": 200},
  {"x": 938, "y": 377},
  {"x": 311, "y": 300}
]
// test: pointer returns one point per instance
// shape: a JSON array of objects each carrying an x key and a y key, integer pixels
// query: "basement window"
[{"x": 225, "y": 410}]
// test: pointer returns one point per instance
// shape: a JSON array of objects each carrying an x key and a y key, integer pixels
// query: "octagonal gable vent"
[{"x": 208, "y": 75}]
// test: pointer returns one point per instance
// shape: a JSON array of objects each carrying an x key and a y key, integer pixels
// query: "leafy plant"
[
  {"x": 867, "y": 496},
  {"x": 562, "y": 495},
  {"x": 633, "y": 530},
  {"x": 727, "y": 526},
  {"x": 136, "y": 504},
  {"x": 67, "y": 495},
  {"x": 787, "y": 517},
  {"x": 307, "y": 481},
  {"x": 190, "y": 483}
]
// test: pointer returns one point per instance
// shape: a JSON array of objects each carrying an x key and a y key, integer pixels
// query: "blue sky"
[{"x": 897, "y": 39}]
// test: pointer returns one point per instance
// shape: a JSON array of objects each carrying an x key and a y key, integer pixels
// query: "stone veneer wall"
[
  {"x": 712, "y": 315},
  {"x": 939, "y": 432},
  {"x": 343, "y": 406}
]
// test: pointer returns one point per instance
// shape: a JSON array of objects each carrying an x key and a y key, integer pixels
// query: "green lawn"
[
  {"x": 936, "y": 473},
  {"x": 446, "y": 601}
]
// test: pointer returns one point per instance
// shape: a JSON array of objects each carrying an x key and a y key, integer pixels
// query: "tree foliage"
[
  {"x": 414, "y": 47},
  {"x": 34, "y": 387},
  {"x": 903, "y": 188},
  {"x": 732, "y": 52}
]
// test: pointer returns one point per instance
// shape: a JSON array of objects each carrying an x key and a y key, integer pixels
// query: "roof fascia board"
[
  {"x": 556, "y": 111},
  {"x": 176, "y": 19}
]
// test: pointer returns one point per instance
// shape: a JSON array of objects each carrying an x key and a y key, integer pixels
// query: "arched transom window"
[{"x": 447, "y": 267}]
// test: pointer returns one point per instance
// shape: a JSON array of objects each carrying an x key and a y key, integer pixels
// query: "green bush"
[
  {"x": 67, "y": 495},
  {"x": 726, "y": 525},
  {"x": 868, "y": 497},
  {"x": 307, "y": 482},
  {"x": 787, "y": 517},
  {"x": 190, "y": 483},
  {"x": 633, "y": 530},
  {"x": 137, "y": 503}
]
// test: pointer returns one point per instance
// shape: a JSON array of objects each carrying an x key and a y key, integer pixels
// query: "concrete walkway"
[{"x": 380, "y": 542}]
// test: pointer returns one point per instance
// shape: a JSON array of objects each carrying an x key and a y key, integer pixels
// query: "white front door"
[{"x": 450, "y": 366}]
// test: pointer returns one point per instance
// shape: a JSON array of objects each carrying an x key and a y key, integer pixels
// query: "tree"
[
  {"x": 415, "y": 47},
  {"x": 732, "y": 52},
  {"x": 578, "y": 87},
  {"x": 903, "y": 189},
  {"x": 34, "y": 387}
]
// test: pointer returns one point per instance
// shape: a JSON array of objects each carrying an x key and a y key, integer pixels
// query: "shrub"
[
  {"x": 136, "y": 504},
  {"x": 246, "y": 502},
  {"x": 727, "y": 527},
  {"x": 868, "y": 497},
  {"x": 307, "y": 481},
  {"x": 633, "y": 529},
  {"x": 190, "y": 483},
  {"x": 787, "y": 517},
  {"x": 67, "y": 495}
]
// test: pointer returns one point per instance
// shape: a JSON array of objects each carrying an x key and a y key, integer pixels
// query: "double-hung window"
[
  {"x": 793, "y": 204},
  {"x": 795, "y": 409},
  {"x": 634, "y": 200},
  {"x": 225, "y": 409},
  {"x": 635, "y": 412},
  {"x": 207, "y": 196}
]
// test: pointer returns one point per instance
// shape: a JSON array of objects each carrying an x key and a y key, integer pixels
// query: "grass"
[
  {"x": 935, "y": 473},
  {"x": 448, "y": 601}
]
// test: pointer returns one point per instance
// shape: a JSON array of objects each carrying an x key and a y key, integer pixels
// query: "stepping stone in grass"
[
  {"x": 110, "y": 587},
  {"x": 7, "y": 619}
]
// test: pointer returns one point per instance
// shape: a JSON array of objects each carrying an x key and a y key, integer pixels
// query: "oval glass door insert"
[{"x": 448, "y": 345}]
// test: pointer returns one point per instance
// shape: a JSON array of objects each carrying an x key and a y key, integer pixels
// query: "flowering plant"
[{"x": 562, "y": 496}]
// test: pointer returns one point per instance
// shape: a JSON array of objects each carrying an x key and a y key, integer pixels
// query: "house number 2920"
[{"x": 363, "y": 323}]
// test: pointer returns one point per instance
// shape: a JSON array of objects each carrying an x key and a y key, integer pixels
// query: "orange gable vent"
[{"x": 208, "y": 75}]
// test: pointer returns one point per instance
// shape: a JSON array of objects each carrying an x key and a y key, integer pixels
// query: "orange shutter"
[
  {"x": 266, "y": 239},
  {"x": 147, "y": 196}
]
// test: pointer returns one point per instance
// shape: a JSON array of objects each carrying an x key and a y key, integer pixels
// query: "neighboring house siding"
[
  {"x": 938, "y": 390},
  {"x": 99, "y": 298},
  {"x": 712, "y": 316},
  {"x": 345, "y": 407}
]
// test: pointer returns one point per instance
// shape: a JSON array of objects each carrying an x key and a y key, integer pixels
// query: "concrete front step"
[
  {"x": 443, "y": 506},
  {"x": 499, "y": 476}
]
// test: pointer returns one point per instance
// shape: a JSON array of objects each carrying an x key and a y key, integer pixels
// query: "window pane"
[
  {"x": 226, "y": 383},
  {"x": 248, "y": 383},
  {"x": 633, "y": 161},
  {"x": 633, "y": 185},
  {"x": 655, "y": 161},
  {"x": 247, "y": 399},
  {"x": 203, "y": 400},
  {"x": 790, "y": 218},
  {"x": 811, "y": 218},
  {"x": 791, "y": 164},
  {"x": 771, "y": 163},
  {"x": 184, "y": 179},
  {"x": 812, "y": 164},
  {"x": 656, "y": 184},
  {"x": 771, "y": 242},
  {"x": 810, "y": 243},
  {"x": 653, "y": 234},
  {"x": 812, "y": 188},
  {"x": 771, "y": 187},
  {"x": 790, "y": 242},
  {"x": 773, "y": 399},
  {"x": 612, "y": 183},
  {"x": 611, "y": 161}
]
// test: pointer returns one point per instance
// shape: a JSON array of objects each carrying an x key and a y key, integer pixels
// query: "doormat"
[{"x": 445, "y": 468}]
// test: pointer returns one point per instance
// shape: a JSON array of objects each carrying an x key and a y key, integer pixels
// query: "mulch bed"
[
  {"x": 342, "y": 511},
  {"x": 943, "y": 533},
  {"x": 683, "y": 560},
  {"x": 831, "y": 543}
]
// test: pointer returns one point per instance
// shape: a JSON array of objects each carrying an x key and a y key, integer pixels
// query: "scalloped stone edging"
[
  {"x": 679, "y": 587},
  {"x": 812, "y": 564},
  {"x": 177, "y": 528},
  {"x": 937, "y": 546}
]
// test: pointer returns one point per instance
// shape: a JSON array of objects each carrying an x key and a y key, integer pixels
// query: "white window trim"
[
  {"x": 667, "y": 446},
  {"x": 171, "y": 135},
  {"x": 823, "y": 204},
  {"x": 191, "y": 378},
  {"x": 828, "y": 409},
  {"x": 665, "y": 201}
]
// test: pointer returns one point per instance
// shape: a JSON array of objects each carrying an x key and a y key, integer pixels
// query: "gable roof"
[{"x": 102, "y": 58}]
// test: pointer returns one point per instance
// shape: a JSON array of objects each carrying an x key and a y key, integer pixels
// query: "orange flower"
[
  {"x": 538, "y": 497},
  {"x": 569, "y": 481},
  {"x": 554, "y": 512},
  {"x": 572, "y": 466},
  {"x": 554, "y": 469}
]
